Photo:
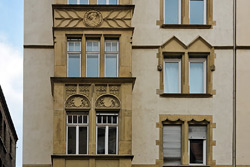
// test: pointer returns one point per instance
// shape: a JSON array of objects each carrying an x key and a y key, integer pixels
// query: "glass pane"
[
  {"x": 77, "y": 46},
  {"x": 72, "y": 1},
  {"x": 196, "y": 78},
  {"x": 69, "y": 119},
  {"x": 74, "y": 119},
  {"x": 172, "y": 144},
  {"x": 196, "y": 151},
  {"x": 108, "y": 46},
  {"x": 71, "y": 140},
  {"x": 111, "y": 66},
  {"x": 171, "y": 11},
  {"x": 79, "y": 119},
  {"x": 101, "y": 140},
  {"x": 113, "y": 2},
  {"x": 85, "y": 119},
  {"x": 74, "y": 65},
  {"x": 112, "y": 140},
  {"x": 196, "y": 11},
  {"x": 114, "y": 46},
  {"x": 84, "y": 2},
  {"x": 71, "y": 46},
  {"x": 104, "y": 119},
  {"x": 83, "y": 140},
  {"x": 89, "y": 46},
  {"x": 115, "y": 119},
  {"x": 95, "y": 46},
  {"x": 99, "y": 119},
  {"x": 92, "y": 65},
  {"x": 102, "y": 2},
  {"x": 171, "y": 83},
  {"x": 109, "y": 119}
]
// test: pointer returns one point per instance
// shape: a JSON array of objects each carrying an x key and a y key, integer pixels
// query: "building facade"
[
  {"x": 139, "y": 83},
  {"x": 8, "y": 136}
]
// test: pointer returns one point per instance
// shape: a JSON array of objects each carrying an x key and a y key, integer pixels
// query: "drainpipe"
[{"x": 234, "y": 85}]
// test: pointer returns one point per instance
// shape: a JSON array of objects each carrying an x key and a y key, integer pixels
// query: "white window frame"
[
  {"x": 78, "y": 2},
  {"x": 205, "y": 11},
  {"x": 93, "y": 53},
  {"x": 107, "y": 2},
  {"x": 77, "y": 125},
  {"x": 204, "y": 61},
  {"x": 107, "y": 125},
  {"x": 204, "y": 152},
  {"x": 179, "y": 12},
  {"x": 113, "y": 53},
  {"x": 169, "y": 60},
  {"x": 74, "y": 52}
]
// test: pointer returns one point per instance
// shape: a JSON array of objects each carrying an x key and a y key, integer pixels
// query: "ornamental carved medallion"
[
  {"x": 93, "y": 18},
  {"x": 77, "y": 101},
  {"x": 107, "y": 102}
]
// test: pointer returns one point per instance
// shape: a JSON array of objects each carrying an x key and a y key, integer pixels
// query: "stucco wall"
[
  {"x": 147, "y": 106},
  {"x": 38, "y": 106}
]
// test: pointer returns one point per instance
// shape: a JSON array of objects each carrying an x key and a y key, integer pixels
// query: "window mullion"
[
  {"x": 106, "y": 139},
  {"x": 77, "y": 139}
]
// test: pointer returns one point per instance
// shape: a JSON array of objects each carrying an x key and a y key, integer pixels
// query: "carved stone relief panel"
[
  {"x": 70, "y": 89},
  {"x": 100, "y": 90},
  {"x": 114, "y": 89},
  {"x": 108, "y": 102},
  {"x": 77, "y": 102},
  {"x": 84, "y": 89}
]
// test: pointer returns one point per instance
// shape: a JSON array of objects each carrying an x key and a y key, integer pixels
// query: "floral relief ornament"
[
  {"x": 108, "y": 102},
  {"x": 77, "y": 102},
  {"x": 93, "y": 18}
]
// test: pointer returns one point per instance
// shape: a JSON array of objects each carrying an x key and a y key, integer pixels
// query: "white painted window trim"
[
  {"x": 167, "y": 60},
  {"x": 204, "y": 61},
  {"x": 93, "y": 53},
  {"x": 205, "y": 11},
  {"x": 78, "y": 2},
  {"x": 74, "y": 52},
  {"x": 113, "y": 53},
  {"x": 107, "y": 2},
  {"x": 204, "y": 152},
  {"x": 179, "y": 12}
]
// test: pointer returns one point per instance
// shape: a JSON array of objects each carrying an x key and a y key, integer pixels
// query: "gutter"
[{"x": 234, "y": 84}]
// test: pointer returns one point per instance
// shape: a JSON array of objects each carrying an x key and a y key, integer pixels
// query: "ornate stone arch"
[
  {"x": 108, "y": 102},
  {"x": 77, "y": 102}
]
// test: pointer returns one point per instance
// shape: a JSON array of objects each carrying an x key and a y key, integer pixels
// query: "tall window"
[
  {"x": 197, "y": 145},
  {"x": 77, "y": 133},
  {"x": 74, "y": 58},
  {"x": 92, "y": 57},
  {"x": 197, "y": 11},
  {"x": 197, "y": 75},
  {"x": 172, "y": 11},
  {"x": 172, "y": 144},
  {"x": 107, "y": 133},
  {"x": 111, "y": 58},
  {"x": 107, "y": 2},
  {"x": 172, "y": 76},
  {"x": 85, "y": 2}
]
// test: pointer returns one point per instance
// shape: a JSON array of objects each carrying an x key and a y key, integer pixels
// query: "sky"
[{"x": 11, "y": 64}]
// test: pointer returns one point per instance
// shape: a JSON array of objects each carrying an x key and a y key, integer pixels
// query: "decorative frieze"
[
  {"x": 108, "y": 101},
  {"x": 70, "y": 89},
  {"x": 115, "y": 90},
  {"x": 84, "y": 89},
  {"x": 100, "y": 90},
  {"x": 77, "y": 102}
]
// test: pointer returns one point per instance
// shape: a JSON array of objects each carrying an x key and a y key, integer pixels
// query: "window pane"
[
  {"x": 114, "y": 46},
  {"x": 172, "y": 144},
  {"x": 115, "y": 119},
  {"x": 82, "y": 140},
  {"x": 108, "y": 46},
  {"x": 101, "y": 140},
  {"x": 74, "y": 65},
  {"x": 85, "y": 119},
  {"x": 89, "y": 46},
  {"x": 79, "y": 119},
  {"x": 111, "y": 65},
  {"x": 71, "y": 140},
  {"x": 99, "y": 119},
  {"x": 196, "y": 11},
  {"x": 72, "y": 1},
  {"x": 197, "y": 132},
  {"x": 113, "y": 2},
  {"x": 70, "y": 119},
  {"x": 71, "y": 46},
  {"x": 104, "y": 119},
  {"x": 196, "y": 78},
  {"x": 95, "y": 46},
  {"x": 77, "y": 46},
  {"x": 74, "y": 119},
  {"x": 109, "y": 119},
  {"x": 171, "y": 11},
  {"x": 102, "y": 2},
  {"x": 83, "y": 1},
  {"x": 196, "y": 151},
  {"x": 172, "y": 77},
  {"x": 112, "y": 140},
  {"x": 92, "y": 65}
]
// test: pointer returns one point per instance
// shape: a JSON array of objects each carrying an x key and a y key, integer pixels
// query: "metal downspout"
[{"x": 234, "y": 85}]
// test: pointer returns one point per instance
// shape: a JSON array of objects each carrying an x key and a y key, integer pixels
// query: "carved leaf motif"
[
  {"x": 70, "y": 90},
  {"x": 120, "y": 19},
  {"x": 114, "y": 90},
  {"x": 77, "y": 102},
  {"x": 108, "y": 102},
  {"x": 84, "y": 90}
]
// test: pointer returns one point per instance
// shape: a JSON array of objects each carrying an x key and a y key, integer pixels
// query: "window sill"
[
  {"x": 184, "y": 95},
  {"x": 111, "y": 156},
  {"x": 186, "y": 165},
  {"x": 186, "y": 26}
]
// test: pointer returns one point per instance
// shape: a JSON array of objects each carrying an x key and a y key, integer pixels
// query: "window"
[
  {"x": 111, "y": 58},
  {"x": 197, "y": 75},
  {"x": 107, "y": 2},
  {"x": 197, "y": 11},
  {"x": 197, "y": 145},
  {"x": 92, "y": 58},
  {"x": 74, "y": 58},
  {"x": 107, "y": 133},
  {"x": 85, "y": 2},
  {"x": 77, "y": 133},
  {"x": 172, "y": 10},
  {"x": 172, "y": 76}
]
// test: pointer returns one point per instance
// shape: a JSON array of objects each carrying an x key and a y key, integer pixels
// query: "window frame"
[
  {"x": 107, "y": 3},
  {"x": 112, "y": 53},
  {"x": 107, "y": 125},
  {"x": 78, "y": 3},
  {"x": 74, "y": 52},
  {"x": 204, "y": 13},
  {"x": 98, "y": 53},
  {"x": 174, "y": 60},
  {"x": 179, "y": 12},
  {"x": 77, "y": 132},
  {"x": 199, "y": 60}
]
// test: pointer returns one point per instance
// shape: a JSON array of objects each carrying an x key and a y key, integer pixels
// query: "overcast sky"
[{"x": 11, "y": 63}]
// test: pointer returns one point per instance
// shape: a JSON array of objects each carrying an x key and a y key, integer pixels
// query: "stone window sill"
[
  {"x": 186, "y": 95},
  {"x": 186, "y": 26}
]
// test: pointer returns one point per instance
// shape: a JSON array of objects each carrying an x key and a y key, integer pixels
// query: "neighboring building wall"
[
  {"x": 8, "y": 136},
  {"x": 243, "y": 81}
]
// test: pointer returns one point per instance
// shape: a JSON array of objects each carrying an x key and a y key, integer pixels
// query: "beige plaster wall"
[
  {"x": 243, "y": 107},
  {"x": 243, "y": 22},
  {"x": 147, "y": 12},
  {"x": 38, "y": 22},
  {"x": 38, "y": 106},
  {"x": 147, "y": 106}
]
